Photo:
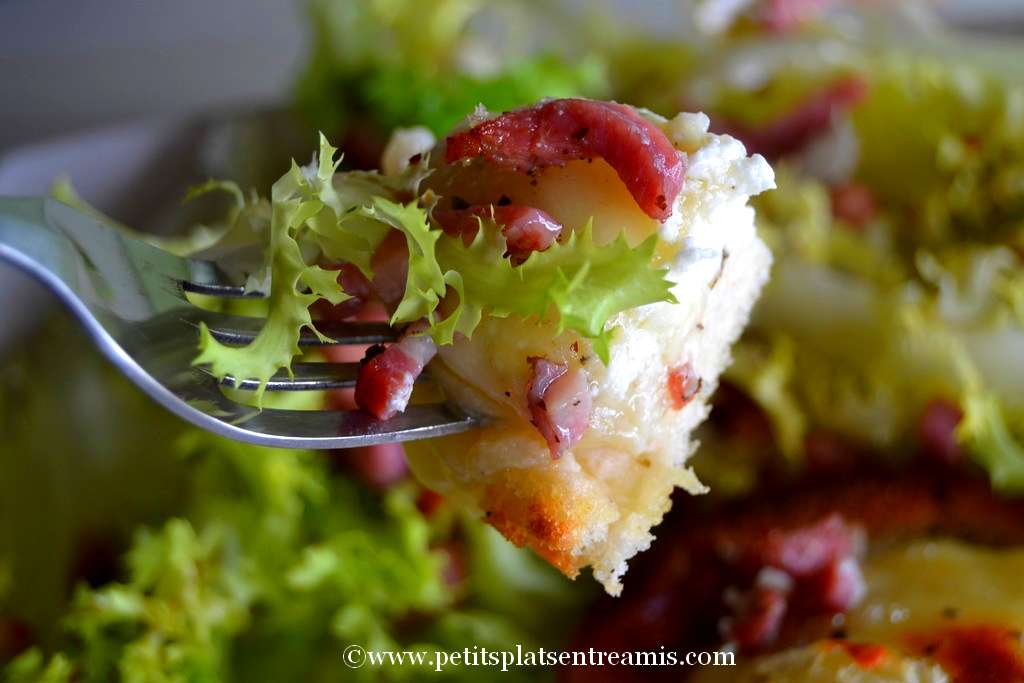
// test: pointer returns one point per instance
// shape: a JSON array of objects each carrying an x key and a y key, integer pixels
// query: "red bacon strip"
[
  {"x": 558, "y": 131},
  {"x": 559, "y": 402}
]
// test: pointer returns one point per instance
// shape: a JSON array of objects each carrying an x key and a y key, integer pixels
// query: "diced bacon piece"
[
  {"x": 839, "y": 586},
  {"x": 974, "y": 653},
  {"x": 866, "y": 655},
  {"x": 429, "y": 502},
  {"x": 558, "y": 131},
  {"x": 378, "y": 466},
  {"x": 827, "y": 452},
  {"x": 559, "y": 402},
  {"x": 355, "y": 284},
  {"x": 525, "y": 228},
  {"x": 794, "y": 130},
  {"x": 15, "y": 638},
  {"x": 937, "y": 431},
  {"x": 385, "y": 380},
  {"x": 455, "y": 567},
  {"x": 390, "y": 265},
  {"x": 759, "y": 619},
  {"x": 780, "y": 16},
  {"x": 854, "y": 204},
  {"x": 683, "y": 385},
  {"x": 804, "y": 551}
]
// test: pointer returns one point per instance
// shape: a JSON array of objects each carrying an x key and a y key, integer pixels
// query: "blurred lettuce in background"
[
  {"x": 377, "y": 65},
  {"x": 908, "y": 296},
  {"x": 271, "y": 563}
]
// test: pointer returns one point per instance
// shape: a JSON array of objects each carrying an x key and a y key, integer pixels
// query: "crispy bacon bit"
[
  {"x": 818, "y": 559},
  {"x": 811, "y": 118},
  {"x": 390, "y": 265},
  {"x": 839, "y": 586},
  {"x": 973, "y": 654},
  {"x": 854, "y": 204},
  {"x": 385, "y": 381},
  {"x": 826, "y": 452},
  {"x": 780, "y": 16},
  {"x": 804, "y": 551},
  {"x": 558, "y": 131},
  {"x": 675, "y": 596},
  {"x": 758, "y": 619},
  {"x": 866, "y": 655},
  {"x": 455, "y": 567},
  {"x": 525, "y": 228},
  {"x": 378, "y": 466},
  {"x": 429, "y": 502},
  {"x": 683, "y": 385},
  {"x": 937, "y": 431},
  {"x": 355, "y": 284},
  {"x": 559, "y": 402},
  {"x": 15, "y": 638}
]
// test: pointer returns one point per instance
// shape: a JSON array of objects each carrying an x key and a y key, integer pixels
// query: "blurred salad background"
[{"x": 134, "y": 548}]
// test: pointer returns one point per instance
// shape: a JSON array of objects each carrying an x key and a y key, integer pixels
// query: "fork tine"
[
  {"x": 318, "y": 428},
  {"x": 346, "y": 429},
  {"x": 305, "y": 377},
  {"x": 239, "y": 329},
  {"x": 206, "y": 277},
  {"x": 221, "y": 291}
]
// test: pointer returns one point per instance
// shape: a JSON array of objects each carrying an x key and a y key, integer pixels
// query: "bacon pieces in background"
[
  {"x": 937, "y": 431},
  {"x": 854, "y": 204},
  {"x": 808, "y": 120}
]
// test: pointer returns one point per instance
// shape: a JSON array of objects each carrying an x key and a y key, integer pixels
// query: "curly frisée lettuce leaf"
[
  {"x": 307, "y": 212},
  {"x": 276, "y": 564},
  {"x": 987, "y": 433},
  {"x": 278, "y": 341},
  {"x": 317, "y": 213},
  {"x": 383, "y": 65},
  {"x": 425, "y": 283},
  {"x": 585, "y": 284}
]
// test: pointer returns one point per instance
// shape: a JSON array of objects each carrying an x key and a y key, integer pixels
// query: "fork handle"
[{"x": 29, "y": 240}]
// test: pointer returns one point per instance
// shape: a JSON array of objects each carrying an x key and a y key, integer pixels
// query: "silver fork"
[{"x": 130, "y": 297}]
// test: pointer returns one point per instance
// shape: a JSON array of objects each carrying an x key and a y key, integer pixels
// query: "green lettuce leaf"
[
  {"x": 276, "y": 564},
  {"x": 380, "y": 66},
  {"x": 278, "y": 341},
  {"x": 32, "y": 667},
  {"x": 583, "y": 283},
  {"x": 987, "y": 433},
  {"x": 425, "y": 284}
]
